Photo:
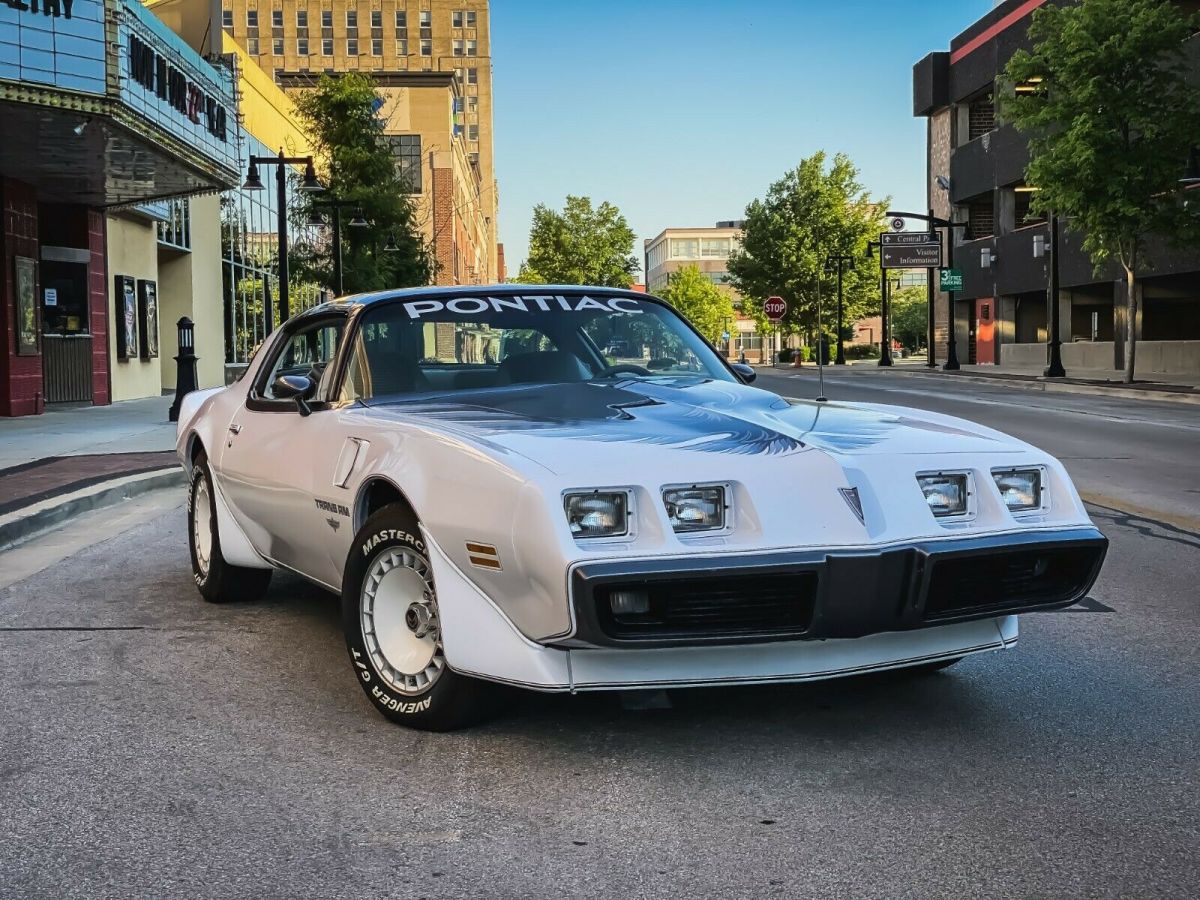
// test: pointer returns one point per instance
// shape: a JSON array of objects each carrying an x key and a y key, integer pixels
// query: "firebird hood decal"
[{"x": 683, "y": 413}]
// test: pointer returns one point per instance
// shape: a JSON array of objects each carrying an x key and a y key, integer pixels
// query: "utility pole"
[{"x": 1055, "y": 369}]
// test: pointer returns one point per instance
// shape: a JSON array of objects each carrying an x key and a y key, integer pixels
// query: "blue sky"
[{"x": 680, "y": 113}]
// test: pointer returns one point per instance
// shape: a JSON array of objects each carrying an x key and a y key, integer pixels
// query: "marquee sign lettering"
[
  {"x": 55, "y": 8},
  {"x": 154, "y": 72}
]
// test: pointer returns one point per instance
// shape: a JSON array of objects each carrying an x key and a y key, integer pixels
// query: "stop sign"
[{"x": 775, "y": 308}]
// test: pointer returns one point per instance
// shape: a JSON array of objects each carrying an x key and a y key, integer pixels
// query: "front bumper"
[
  {"x": 832, "y": 594},
  {"x": 872, "y": 612}
]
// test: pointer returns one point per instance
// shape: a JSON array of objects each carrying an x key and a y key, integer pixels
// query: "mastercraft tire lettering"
[{"x": 393, "y": 636}]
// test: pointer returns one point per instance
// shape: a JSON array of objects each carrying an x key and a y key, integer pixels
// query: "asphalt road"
[{"x": 154, "y": 745}]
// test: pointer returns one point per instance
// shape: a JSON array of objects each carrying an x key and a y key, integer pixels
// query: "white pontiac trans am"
[{"x": 567, "y": 489}]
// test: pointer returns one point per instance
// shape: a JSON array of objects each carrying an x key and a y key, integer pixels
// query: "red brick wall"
[
  {"x": 443, "y": 225},
  {"x": 20, "y": 376},
  {"x": 98, "y": 308},
  {"x": 501, "y": 271}
]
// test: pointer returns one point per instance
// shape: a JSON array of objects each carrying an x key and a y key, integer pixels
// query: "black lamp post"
[
  {"x": 335, "y": 207},
  {"x": 951, "y": 364},
  {"x": 308, "y": 183},
  {"x": 885, "y": 343},
  {"x": 1048, "y": 246},
  {"x": 185, "y": 369},
  {"x": 842, "y": 262}
]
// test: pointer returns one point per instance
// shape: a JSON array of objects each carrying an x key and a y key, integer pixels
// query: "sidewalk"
[
  {"x": 1100, "y": 382},
  {"x": 72, "y": 459}
]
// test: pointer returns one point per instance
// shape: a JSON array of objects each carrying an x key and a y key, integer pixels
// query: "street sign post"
[
  {"x": 952, "y": 280},
  {"x": 775, "y": 308},
  {"x": 910, "y": 250}
]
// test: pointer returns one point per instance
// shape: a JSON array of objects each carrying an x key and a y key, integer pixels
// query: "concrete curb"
[
  {"x": 1029, "y": 384},
  {"x": 22, "y": 524}
]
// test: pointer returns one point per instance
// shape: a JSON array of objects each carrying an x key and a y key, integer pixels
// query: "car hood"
[{"x": 683, "y": 414}]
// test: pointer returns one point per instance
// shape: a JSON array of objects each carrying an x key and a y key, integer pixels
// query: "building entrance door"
[
  {"x": 985, "y": 332},
  {"x": 66, "y": 332}
]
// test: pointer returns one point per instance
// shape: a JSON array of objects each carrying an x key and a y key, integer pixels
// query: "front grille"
[
  {"x": 744, "y": 606},
  {"x": 1034, "y": 576}
]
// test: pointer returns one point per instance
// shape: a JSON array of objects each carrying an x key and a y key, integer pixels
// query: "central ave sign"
[
  {"x": 911, "y": 250},
  {"x": 775, "y": 308}
]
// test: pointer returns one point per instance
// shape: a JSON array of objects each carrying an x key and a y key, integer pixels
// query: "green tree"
[
  {"x": 815, "y": 210},
  {"x": 699, "y": 300},
  {"x": 909, "y": 308},
  {"x": 580, "y": 245},
  {"x": 1110, "y": 117},
  {"x": 356, "y": 159}
]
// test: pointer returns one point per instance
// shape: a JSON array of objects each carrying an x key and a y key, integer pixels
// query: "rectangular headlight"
[
  {"x": 595, "y": 514},
  {"x": 945, "y": 494},
  {"x": 1020, "y": 488},
  {"x": 695, "y": 508}
]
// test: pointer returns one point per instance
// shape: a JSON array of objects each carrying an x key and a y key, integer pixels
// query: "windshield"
[{"x": 480, "y": 342}]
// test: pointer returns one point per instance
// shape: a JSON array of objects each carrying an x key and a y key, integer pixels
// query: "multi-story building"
[
  {"x": 432, "y": 62},
  {"x": 708, "y": 249},
  {"x": 976, "y": 175}
]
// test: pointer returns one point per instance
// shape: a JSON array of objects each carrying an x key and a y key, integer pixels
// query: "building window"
[
  {"x": 376, "y": 18},
  {"x": 252, "y": 18},
  {"x": 377, "y": 46},
  {"x": 456, "y": 19},
  {"x": 277, "y": 18},
  {"x": 327, "y": 18},
  {"x": 227, "y": 18},
  {"x": 406, "y": 148},
  {"x": 472, "y": 48},
  {"x": 176, "y": 230},
  {"x": 472, "y": 132},
  {"x": 714, "y": 248},
  {"x": 470, "y": 18},
  {"x": 685, "y": 248},
  {"x": 302, "y": 46},
  {"x": 252, "y": 46},
  {"x": 1022, "y": 215},
  {"x": 401, "y": 20},
  {"x": 327, "y": 46},
  {"x": 301, "y": 18},
  {"x": 474, "y": 158},
  {"x": 981, "y": 217},
  {"x": 426, "y": 47},
  {"x": 472, "y": 75},
  {"x": 352, "y": 20},
  {"x": 352, "y": 46},
  {"x": 458, "y": 48},
  {"x": 277, "y": 46},
  {"x": 472, "y": 104},
  {"x": 402, "y": 48},
  {"x": 426, "y": 19}
]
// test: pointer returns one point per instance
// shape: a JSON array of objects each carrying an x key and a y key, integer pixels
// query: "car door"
[{"x": 275, "y": 461}]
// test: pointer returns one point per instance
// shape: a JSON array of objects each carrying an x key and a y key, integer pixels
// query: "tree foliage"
[
  {"x": 909, "y": 308},
  {"x": 356, "y": 160},
  {"x": 1110, "y": 118},
  {"x": 580, "y": 245},
  {"x": 700, "y": 301},
  {"x": 815, "y": 210}
]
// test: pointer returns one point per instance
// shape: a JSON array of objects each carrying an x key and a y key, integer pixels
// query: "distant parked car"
[{"x": 556, "y": 521}]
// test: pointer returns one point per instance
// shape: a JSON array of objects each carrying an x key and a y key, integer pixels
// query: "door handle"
[{"x": 235, "y": 428}]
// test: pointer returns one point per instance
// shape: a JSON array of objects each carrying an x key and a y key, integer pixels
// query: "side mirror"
[
  {"x": 295, "y": 387},
  {"x": 744, "y": 372}
]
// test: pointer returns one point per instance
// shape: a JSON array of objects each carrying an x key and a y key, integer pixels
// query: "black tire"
[
  {"x": 435, "y": 698},
  {"x": 218, "y": 581}
]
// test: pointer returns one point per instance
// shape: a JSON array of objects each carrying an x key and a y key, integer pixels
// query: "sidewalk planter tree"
[
  {"x": 341, "y": 115},
  {"x": 1104, "y": 100},
  {"x": 816, "y": 209},
  {"x": 704, "y": 304},
  {"x": 583, "y": 244}
]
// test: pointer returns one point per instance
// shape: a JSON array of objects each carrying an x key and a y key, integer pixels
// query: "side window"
[{"x": 307, "y": 352}]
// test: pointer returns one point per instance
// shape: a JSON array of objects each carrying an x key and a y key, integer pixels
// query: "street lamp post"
[
  {"x": 358, "y": 221},
  {"x": 842, "y": 261},
  {"x": 885, "y": 354},
  {"x": 1055, "y": 369},
  {"x": 309, "y": 183},
  {"x": 951, "y": 364}
]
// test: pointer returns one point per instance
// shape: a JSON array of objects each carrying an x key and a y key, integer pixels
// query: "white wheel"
[{"x": 400, "y": 623}]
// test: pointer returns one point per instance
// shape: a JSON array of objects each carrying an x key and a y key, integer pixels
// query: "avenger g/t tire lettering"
[
  {"x": 218, "y": 581},
  {"x": 393, "y": 635}
]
